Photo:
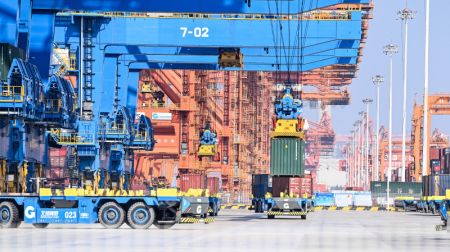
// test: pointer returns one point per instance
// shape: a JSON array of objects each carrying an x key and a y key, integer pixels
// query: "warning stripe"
[
  {"x": 353, "y": 208},
  {"x": 235, "y": 206},
  {"x": 273, "y": 213}
]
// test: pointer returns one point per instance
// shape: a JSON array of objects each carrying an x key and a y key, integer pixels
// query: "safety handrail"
[
  {"x": 12, "y": 93},
  {"x": 53, "y": 105}
]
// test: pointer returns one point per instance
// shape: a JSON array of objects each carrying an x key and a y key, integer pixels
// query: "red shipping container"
[
  {"x": 54, "y": 173},
  {"x": 57, "y": 152},
  {"x": 213, "y": 185},
  {"x": 57, "y": 162},
  {"x": 434, "y": 153},
  {"x": 342, "y": 165},
  {"x": 306, "y": 186},
  {"x": 295, "y": 181},
  {"x": 320, "y": 188},
  {"x": 191, "y": 181}
]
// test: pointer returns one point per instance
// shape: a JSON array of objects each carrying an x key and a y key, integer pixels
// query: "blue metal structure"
[
  {"x": 444, "y": 213},
  {"x": 288, "y": 107},
  {"x": 23, "y": 144},
  {"x": 108, "y": 42}
]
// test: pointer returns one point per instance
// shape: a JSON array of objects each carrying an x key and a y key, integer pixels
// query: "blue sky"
[{"x": 384, "y": 28}]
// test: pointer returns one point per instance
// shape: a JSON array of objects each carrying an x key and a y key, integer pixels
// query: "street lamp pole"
[
  {"x": 377, "y": 81},
  {"x": 352, "y": 157},
  {"x": 367, "y": 101},
  {"x": 355, "y": 158},
  {"x": 390, "y": 50},
  {"x": 360, "y": 150},
  {"x": 425, "y": 162},
  {"x": 405, "y": 15}
]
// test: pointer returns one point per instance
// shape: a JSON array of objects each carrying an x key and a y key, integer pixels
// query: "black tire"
[
  {"x": 303, "y": 217},
  {"x": 111, "y": 215},
  {"x": 9, "y": 215},
  {"x": 270, "y": 217},
  {"x": 40, "y": 225},
  {"x": 217, "y": 211},
  {"x": 140, "y": 216},
  {"x": 164, "y": 226},
  {"x": 261, "y": 207}
]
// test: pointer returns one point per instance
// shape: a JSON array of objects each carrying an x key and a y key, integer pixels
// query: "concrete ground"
[{"x": 243, "y": 230}]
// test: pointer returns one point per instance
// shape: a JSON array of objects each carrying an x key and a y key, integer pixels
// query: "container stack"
[
  {"x": 435, "y": 185},
  {"x": 287, "y": 149},
  {"x": 56, "y": 172}
]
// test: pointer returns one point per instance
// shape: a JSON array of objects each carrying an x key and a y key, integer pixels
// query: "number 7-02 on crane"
[{"x": 161, "y": 207}]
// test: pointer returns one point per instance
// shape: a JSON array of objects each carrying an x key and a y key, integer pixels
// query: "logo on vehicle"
[
  {"x": 29, "y": 212},
  {"x": 199, "y": 209},
  {"x": 286, "y": 205},
  {"x": 84, "y": 215}
]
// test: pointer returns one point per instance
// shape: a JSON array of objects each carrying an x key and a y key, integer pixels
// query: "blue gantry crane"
[{"x": 104, "y": 44}]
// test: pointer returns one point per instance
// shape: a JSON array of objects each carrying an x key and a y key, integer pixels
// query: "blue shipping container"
[{"x": 324, "y": 199}]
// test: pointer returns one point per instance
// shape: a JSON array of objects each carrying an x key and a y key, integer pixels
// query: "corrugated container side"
[
  {"x": 55, "y": 173},
  {"x": 280, "y": 185},
  {"x": 343, "y": 199},
  {"x": 434, "y": 153},
  {"x": 324, "y": 199},
  {"x": 57, "y": 152},
  {"x": 213, "y": 185},
  {"x": 260, "y": 185},
  {"x": 287, "y": 157},
  {"x": 446, "y": 166},
  {"x": 435, "y": 185},
  {"x": 379, "y": 188},
  {"x": 362, "y": 199},
  {"x": 320, "y": 188},
  {"x": 191, "y": 181},
  {"x": 260, "y": 179}
]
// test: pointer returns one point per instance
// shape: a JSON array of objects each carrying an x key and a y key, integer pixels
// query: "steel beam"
[{"x": 195, "y": 6}]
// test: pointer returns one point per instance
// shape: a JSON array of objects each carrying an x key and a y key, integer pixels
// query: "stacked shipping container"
[
  {"x": 435, "y": 185},
  {"x": 56, "y": 171}
]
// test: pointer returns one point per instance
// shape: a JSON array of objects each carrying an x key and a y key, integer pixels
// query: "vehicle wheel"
[
  {"x": 433, "y": 209},
  {"x": 303, "y": 217},
  {"x": 140, "y": 216},
  {"x": 9, "y": 215},
  {"x": 217, "y": 211},
  {"x": 111, "y": 215},
  {"x": 164, "y": 226},
  {"x": 270, "y": 216},
  {"x": 40, "y": 225},
  {"x": 259, "y": 207}
]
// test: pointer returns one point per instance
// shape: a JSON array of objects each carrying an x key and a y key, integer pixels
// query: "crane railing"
[
  {"x": 341, "y": 14},
  {"x": 12, "y": 94},
  {"x": 53, "y": 106}
]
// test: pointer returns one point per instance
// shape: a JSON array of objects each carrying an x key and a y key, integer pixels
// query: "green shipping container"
[
  {"x": 287, "y": 157},
  {"x": 397, "y": 189},
  {"x": 7, "y": 54}
]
